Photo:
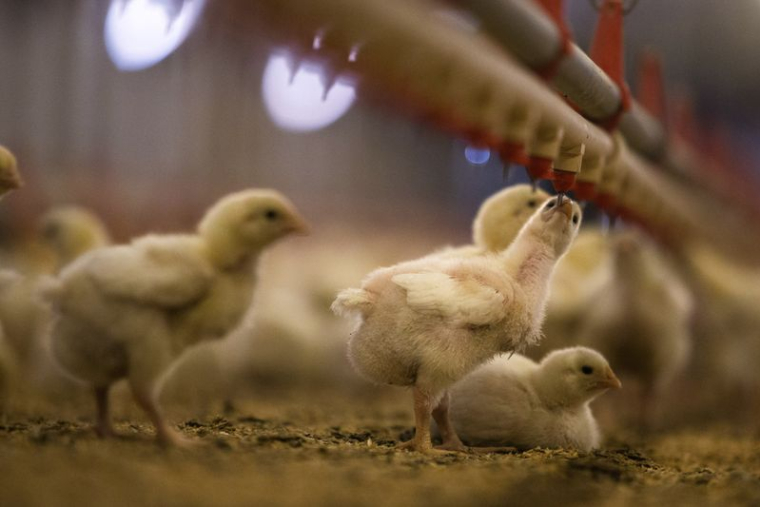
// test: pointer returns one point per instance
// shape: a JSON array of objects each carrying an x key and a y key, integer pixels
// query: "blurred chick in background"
[
  {"x": 129, "y": 311},
  {"x": 9, "y": 175},
  {"x": 513, "y": 401},
  {"x": 427, "y": 323},
  {"x": 577, "y": 277},
  {"x": 71, "y": 231},
  {"x": 68, "y": 232},
  {"x": 639, "y": 319},
  {"x": 726, "y": 330},
  {"x": 9, "y": 180}
]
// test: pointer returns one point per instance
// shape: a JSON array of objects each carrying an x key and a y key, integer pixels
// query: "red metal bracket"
[
  {"x": 607, "y": 52},
  {"x": 540, "y": 168},
  {"x": 514, "y": 152},
  {"x": 555, "y": 9},
  {"x": 651, "y": 86},
  {"x": 562, "y": 181},
  {"x": 584, "y": 190},
  {"x": 607, "y": 203}
]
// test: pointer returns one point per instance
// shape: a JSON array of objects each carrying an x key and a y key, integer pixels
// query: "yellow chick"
[
  {"x": 129, "y": 311},
  {"x": 9, "y": 176},
  {"x": 498, "y": 221},
  {"x": 9, "y": 180},
  {"x": 71, "y": 231},
  {"x": 639, "y": 319}
]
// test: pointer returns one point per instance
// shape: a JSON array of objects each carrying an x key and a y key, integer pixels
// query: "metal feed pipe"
[{"x": 534, "y": 38}]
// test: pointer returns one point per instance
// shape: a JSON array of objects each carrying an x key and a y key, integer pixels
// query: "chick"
[
  {"x": 9, "y": 180},
  {"x": 513, "y": 401},
  {"x": 639, "y": 319},
  {"x": 9, "y": 176},
  {"x": 726, "y": 329},
  {"x": 129, "y": 311},
  {"x": 7, "y": 371},
  {"x": 429, "y": 322},
  {"x": 70, "y": 231},
  {"x": 499, "y": 219}
]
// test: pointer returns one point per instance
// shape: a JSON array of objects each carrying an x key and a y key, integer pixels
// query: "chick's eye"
[
  {"x": 587, "y": 370},
  {"x": 551, "y": 204},
  {"x": 532, "y": 203},
  {"x": 271, "y": 214},
  {"x": 575, "y": 219}
]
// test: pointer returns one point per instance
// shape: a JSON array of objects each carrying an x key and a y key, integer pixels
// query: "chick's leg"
[
  {"x": 148, "y": 364},
  {"x": 422, "y": 407},
  {"x": 450, "y": 438},
  {"x": 164, "y": 432},
  {"x": 103, "y": 427}
]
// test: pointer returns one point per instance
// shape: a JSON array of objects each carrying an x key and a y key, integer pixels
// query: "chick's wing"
[
  {"x": 164, "y": 271},
  {"x": 461, "y": 301}
]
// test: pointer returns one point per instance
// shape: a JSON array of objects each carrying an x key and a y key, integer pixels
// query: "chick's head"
[
  {"x": 578, "y": 374},
  {"x": 503, "y": 214},
  {"x": 251, "y": 219},
  {"x": 9, "y": 177},
  {"x": 555, "y": 225}
]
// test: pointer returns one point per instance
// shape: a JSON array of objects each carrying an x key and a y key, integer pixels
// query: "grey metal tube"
[
  {"x": 530, "y": 34},
  {"x": 587, "y": 86},
  {"x": 519, "y": 26}
]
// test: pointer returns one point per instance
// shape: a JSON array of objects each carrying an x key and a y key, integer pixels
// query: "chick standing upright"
[
  {"x": 513, "y": 401},
  {"x": 429, "y": 322},
  {"x": 129, "y": 311},
  {"x": 639, "y": 319}
]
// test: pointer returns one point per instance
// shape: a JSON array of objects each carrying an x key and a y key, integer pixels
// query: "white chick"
[
  {"x": 129, "y": 311},
  {"x": 429, "y": 322},
  {"x": 513, "y": 401},
  {"x": 71, "y": 231},
  {"x": 639, "y": 319}
]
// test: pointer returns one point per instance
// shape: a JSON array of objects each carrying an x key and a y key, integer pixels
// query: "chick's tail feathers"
[{"x": 352, "y": 302}]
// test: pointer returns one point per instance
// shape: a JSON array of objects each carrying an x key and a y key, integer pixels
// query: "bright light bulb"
[
  {"x": 141, "y": 33},
  {"x": 477, "y": 156},
  {"x": 301, "y": 105}
]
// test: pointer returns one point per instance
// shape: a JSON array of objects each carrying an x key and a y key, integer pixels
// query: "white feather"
[{"x": 462, "y": 302}]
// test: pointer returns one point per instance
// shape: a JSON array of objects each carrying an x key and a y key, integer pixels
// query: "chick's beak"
[
  {"x": 297, "y": 225},
  {"x": 567, "y": 208},
  {"x": 610, "y": 380}
]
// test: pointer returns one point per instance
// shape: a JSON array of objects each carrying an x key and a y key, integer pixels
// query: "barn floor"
[{"x": 320, "y": 448}]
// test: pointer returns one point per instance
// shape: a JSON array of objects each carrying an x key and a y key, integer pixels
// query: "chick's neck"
[
  {"x": 530, "y": 261},
  {"x": 554, "y": 393},
  {"x": 227, "y": 254}
]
